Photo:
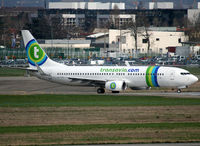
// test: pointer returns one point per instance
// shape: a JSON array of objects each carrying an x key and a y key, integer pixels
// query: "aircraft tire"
[
  {"x": 179, "y": 91},
  {"x": 100, "y": 90}
]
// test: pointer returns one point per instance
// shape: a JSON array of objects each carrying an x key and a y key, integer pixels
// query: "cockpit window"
[{"x": 185, "y": 73}]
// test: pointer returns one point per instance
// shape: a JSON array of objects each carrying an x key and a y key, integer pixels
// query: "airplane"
[{"x": 112, "y": 78}]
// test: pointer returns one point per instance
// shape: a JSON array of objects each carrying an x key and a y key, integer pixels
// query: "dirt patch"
[{"x": 97, "y": 115}]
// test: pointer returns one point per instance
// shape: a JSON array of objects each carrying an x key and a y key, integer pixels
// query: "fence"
[{"x": 82, "y": 53}]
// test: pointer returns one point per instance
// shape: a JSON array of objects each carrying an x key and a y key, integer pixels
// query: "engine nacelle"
[{"x": 116, "y": 85}]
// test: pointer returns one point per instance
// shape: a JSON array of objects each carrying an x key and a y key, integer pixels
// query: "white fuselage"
[{"x": 133, "y": 76}]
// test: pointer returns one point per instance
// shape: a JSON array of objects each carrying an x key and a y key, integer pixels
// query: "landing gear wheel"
[
  {"x": 100, "y": 90},
  {"x": 179, "y": 91}
]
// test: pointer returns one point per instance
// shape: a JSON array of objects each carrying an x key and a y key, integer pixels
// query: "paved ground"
[
  {"x": 168, "y": 144},
  {"x": 32, "y": 85}
]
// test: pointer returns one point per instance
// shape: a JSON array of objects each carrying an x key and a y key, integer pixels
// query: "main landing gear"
[
  {"x": 179, "y": 91},
  {"x": 100, "y": 90}
]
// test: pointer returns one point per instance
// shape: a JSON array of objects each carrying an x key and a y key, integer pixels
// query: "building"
[
  {"x": 193, "y": 15},
  {"x": 86, "y": 5},
  {"x": 102, "y": 21},
  {"x": 198, "y": 5},
  {"x": 65, "y": 43},
  {"x": 159, "y": 40},
  {"x": 161, "y": 5},
  {"x": 73, "y": 20},
  {"x": 97, "y": 18}
]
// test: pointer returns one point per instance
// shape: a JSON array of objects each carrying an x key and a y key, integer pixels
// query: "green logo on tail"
[{"x": 35, "y": 53}]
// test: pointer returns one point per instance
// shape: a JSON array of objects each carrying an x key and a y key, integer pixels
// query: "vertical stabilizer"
[{"x": 35, "y": 54}]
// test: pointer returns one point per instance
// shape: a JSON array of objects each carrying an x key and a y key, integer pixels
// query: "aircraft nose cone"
[{"x": 194, "y": 79}]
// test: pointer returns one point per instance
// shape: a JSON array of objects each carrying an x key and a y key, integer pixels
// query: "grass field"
[
  {"x": 5, "y": 72},
  {"x": 97, "y": 119},
  {"x": 94, "y": 127},
  {"x": 91, "y": 100}
]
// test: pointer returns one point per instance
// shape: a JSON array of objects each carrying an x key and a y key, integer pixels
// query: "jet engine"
[{"x": 115, "y": 85}]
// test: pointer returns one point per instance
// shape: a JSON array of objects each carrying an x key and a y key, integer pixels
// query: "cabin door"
[{"x": 172, "y": 75}]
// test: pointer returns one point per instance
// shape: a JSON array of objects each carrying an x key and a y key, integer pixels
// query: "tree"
[
  {"x": 1, "y": 31},
  {"x": 134, "y": 30},
  {"x": 193, "y": 31},
  {"x": 40, "y": 28},
  {"x": 140, "y": 27},
  {"x": 146, "y": 33},
  {"x": 156, "y": 22}
]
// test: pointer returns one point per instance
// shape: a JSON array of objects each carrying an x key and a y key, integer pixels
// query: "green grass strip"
[
  {"x": 91, "y": 100},
  {"x": 92, "y": 127},
  {"x": 6, "y": 72}
]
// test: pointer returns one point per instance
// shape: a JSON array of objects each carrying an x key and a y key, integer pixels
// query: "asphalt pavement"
[{"x": 33, "y": 85}]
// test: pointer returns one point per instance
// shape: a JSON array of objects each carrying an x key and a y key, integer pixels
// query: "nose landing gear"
[{"x": 100, "y": 90}]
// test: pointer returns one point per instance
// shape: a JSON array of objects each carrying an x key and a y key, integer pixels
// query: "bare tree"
[
  {"x": 156, "y": 22},
  {"x": 193, "y": 31},
  {"x": 1, "y": 31},
  {"x": 134, "y": 30},
  {"x": 146, "y": 33},
  {"x": 143, "y": 31}
]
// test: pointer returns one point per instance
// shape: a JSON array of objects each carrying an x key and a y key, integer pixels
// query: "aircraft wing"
[{"x": 89, "y": 80}]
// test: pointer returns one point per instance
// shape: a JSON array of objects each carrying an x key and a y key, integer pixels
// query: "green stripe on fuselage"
[{"x": 147, "y": 76}]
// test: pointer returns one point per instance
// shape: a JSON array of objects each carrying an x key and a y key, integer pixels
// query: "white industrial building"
[
  {"x": 86, "y": 5},
  {"x": 73, "y": 19},
  {"x": 118, "y": 20},
  {"x": 198, "y": 5},
  {"x": 102, "y": 20},
  {"x": 159, "y": 41},
  {"x": 161, "y": 5}
]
